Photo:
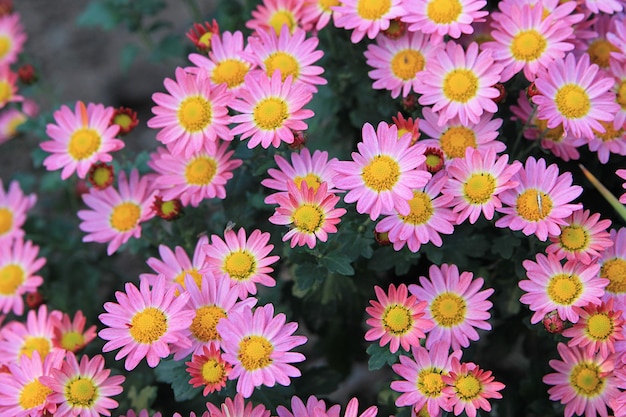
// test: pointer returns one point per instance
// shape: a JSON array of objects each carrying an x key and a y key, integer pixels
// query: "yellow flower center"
[
  {"x": 81, "y": 392},
  {"x": 11, "y": 127},
  {"x": 201, "y": 170},
  {"x": 406, "y": 63},
  {"x": 468, "y": 387},
  {"x": 204, "y": 325},
  {"x": 213, "y": 372},
  {"x": 281, "y": 18},
  {"x": 532, "y": 205},
  {"x": 102, "y": 175},
  {"x": 615, "y": 271},
  {"x": 599, "y": 327},
  {"x": 240, "y": 265},
  {"x": 444, "y": 12},
  {"x": 448, "y": 309},
  {"x": 327, "y": 5},
  {"x": 83, "y": 143},
  {"x": 123, "y": 120},
  {"x": 72, "y": 341},
  {"x": 421, "y": 209},
  {"x": 5, "y": 45},
  {"x": 572, "y": 101},
  {"x": 587, "y": 379},
  {"x": 479, "y": 188},
  {"x": 11, "y": 277},
  {"x": 456, "y": 140},
  {"x": 197, "y": 277},
  {"x": 528, "y": 45},
  {"x": 381, "y": 174},
  {"x": 270, "y": 113},
  {"x": 230, "y": 71},
  {"x": 621, "y": 94},
  {"x": 125, "y": 216},
  {"x": 286, "y": 63},
  {"x": 574, "y": 238},
  {"x": 373, "y": 9},
  {"x": 205, "y": 39},
  {"x": 35, "y": 343},
  {"x": 308, "y": 218},
  {"x": 254, "y": 352},
  {"x": 610, "y": 133},
  {"x": 6, "y": 91},
  {"x": 429, "y": 382},
  {"x": 33, "y": 394},
  {"x": 148, "y": 325},
  {"x": 555, "y": 134},
  {"x": 195, "y": 113},
  {"x": 397, "y": 319},
  {"x": 564, "y": 289},
  {"x": 460, "y": 85},
  {"x": 312, "y": 181},
  {"x": 600, "y": 52}
]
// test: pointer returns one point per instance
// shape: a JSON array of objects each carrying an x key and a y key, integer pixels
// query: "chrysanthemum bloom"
[
  {"x": 609, "y": 141},
  {"x": 613, "y": 266},
  {"x": 311, "y": 214},
  {"x": 618, "y": 71},
  {"x": 101, "y": 175},
  {"x": 397, "y": 318},
  {"x": 455, "y": 304},
  {"x": 316, "y": 14},
  {"x": 315, "y": 407},
  {"x": 237, "y": 406},
  {"x": 10, "y": 120},
  {"x": 599, "y": 48},
  {"x": 116, "y": 215},
  {"x": 366, "y": 17},
  {"x": 201, "y": 175},
  {"x": 259, "y": 344},
  {"x": 442, "y": 17},
  {"x": 561, "y": 287},
  {"x": 314, "y": 170},
  {"x": 270, "y": 109},
  {"x": 540, "y": 202},
  {"x": 144, "y": 322},
  {"x": 125, "y": 118},
  {"x": 83, "y": 388},
  {"x": 80, "y": 138},
  {"x": 383, "y": 173},
  {"x": 167, "y": 209},
  {"x": 398, "y": 62},
  {"x": 423, "y": 385},
  {"x": 243, "y": 259},
  {"x": 604, "y": 6},
  {"x": 12, "y": 38},
  {"x": 208, "y": 369},
  {"x": 583, "y": 237},
  {"x": 202, "y": 34},
  {"x": 274, "y": 14},
  {"x": 476, "y": 181},
  {"x": 470, "y": 388},
  {"x": 23, "y": 394},
  {"x": 583, "y": 382},
  {"x": 290, "y": 53},
  {"x": 430, "y": 215},
  {"x": 18, "y": 273},
  {"x": 70, "y": 334},
  {"x": 8, "y": 87},
  {"x": 460, "y": 83},
  {"x": 573, "y": 92},
  {"x": 13, "y": 207}
]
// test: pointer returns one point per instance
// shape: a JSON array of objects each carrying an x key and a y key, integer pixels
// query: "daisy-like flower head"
[
  {"x": 8, "y": 87},
  {"x": 70, "y": 334},
  {"x": 583, "y": 237},
  {"x": 455, "y": 304},
  {"x": 397, "y": 62},
  {"x": 316, "y": 14},
  {"x": 470, "y": 388},
  {"x": 604, "y": 6},
  {"x": 599, "y": 48},
  {"x": 80, "y": 138},
  {"x": 237, "y": 407},
  {"x": 18, "y": 273},
  {"x": 315, "y": 407},
  {"x": 116, "y": 215},
  {"x": 274, "y": 14},
  {"x": 10, "y": 120},
  {"x": 125, "y": 118},
  {"x": 552, "y": 285},
  {"x": 383, "y": 173},
  {"x": 613, "y": 266},
  {"x": 583, "y": 382},
  {"x": 618, "y": 71},
  {"x": 101, "y": 175},
  {"x": 367, "y": 17},
  {"x": 609, "y": 141},
  {"x": 244, "y": 259},
  {"x": 460, "y": 83},
  {"x": 310, "y": 213},
  {"x": 540, "y": 202},
  {"x": 407, "y": 125},
  {"x": 270, "y": 109},
  {"x": 193, "y": 115},
  {"x": 397, "y": 318},
  {"x": 444, "y": 17},
  {"x": 208, "y": 369},
  {"x": 12, "y": 38},
  {"x": 259, "y": 344},
  {"x": 573, "y": 92},
  {"x": 83, "y": 388},
  {"x": 144, "y": 322},
  {"x": 13, "y": 207}
]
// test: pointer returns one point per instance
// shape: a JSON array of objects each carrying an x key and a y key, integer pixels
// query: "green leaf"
[
  {"x": 380, "y": 356},
  {"x": 505, "y": 245},
  {"x": 339, "y": 264},
  {"x": 173, "y": 372},
  {"x": 142, "y": 399},
  {"x": 307, "y": 277},
  {"x": 127, "y": 56},
  {"x": 97, "y": 14}
]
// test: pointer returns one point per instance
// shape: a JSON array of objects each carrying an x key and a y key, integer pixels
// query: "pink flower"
[
  {"x": 366, "y": 18},
  {"x": 18, "y": 268},
  {"x": 208, "y": 369},
  {"x": 441, "y": 18},
  {"x": 613, "y": 266},
  {"x": 13, "y": 207},
  {"x": 274, "y": 14},
  {"x": 70, "y": 334},
  {"x": 13, "y": 35}
]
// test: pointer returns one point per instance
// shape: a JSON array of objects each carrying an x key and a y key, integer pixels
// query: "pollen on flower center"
[
  {"x": 600, "y": 52},
  {"x": 239, "y": 265},
  {"x": 195, "y": 113},
  {"x": 554, "y": 134},
  {"x": 281, "y": 18},
  {"x": 621, "y": 94},
  {"x": 599, "y": 326},
  {"x": 81, "y": 392},
  {"x": 468, "y": 387},
  {"x": 125, "y": 216},
  {"x": 11, "y": 277},
  {"x": 479, "y": 188},
  {"x": 148, "y": 325},
  {"x": 397, "y": 319},
  {"x": 254, "y": 352},
  {"x": 270, "y": 113},
  {"x": 286, "y": 63},
  {"x": 574, "y": 238},
  {"x": 35, "y": 343},
  {"x": 327, "y": 4},
  {"x": 421, "y": 209},
  {"x": 72, "y": 341},
  {"x": 212, "y": 371},
  {"x": 6, "y": 220},
  {"x": 201, "y": 170},
  {"x": 533, "y": 205},
  {"x": 448, "y": 309},
  {"x": 381, "y": 174},
  {"x": 5, "y": 45},
  {"x": 615, "y": 271},
  {"x": 528, "y": 45},
  {"x": 308, "y": 218},
  {"x": 586, "y": 379},
  {"x": 429, "y": 382},
  {"x": 572, "y": 101},
  {"x": 373, "y": 9},
  {"x": 83, "y": 143},
  {"x": 406, "y": 63},
  {"x": 456, "y": 140},
  {"x": 444, "y": 12},
  {"x": 312, "y": 181},
  {"x": 564, "y": 289},
  {"x": 230, "y": 71},
  {"x": 197, "y": 277},
  {"x": 460, "y": 85},
  {"x": 610, "y": 133},
  {"x": 33, "y": 394},
  {"x": 204, "y": 325}
]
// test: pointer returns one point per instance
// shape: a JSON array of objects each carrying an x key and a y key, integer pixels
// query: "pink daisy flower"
[
  {"x": 70, "y": 334},
  {"x": 460, "y": 83},
  {"x": 145, "y": 322},
  {"x": 310, "y": 213},
  {"x": 116, "y": 216},
  {"x": 274, "y": 14},
  {"x": 608, "y": 141},
  {"x": 613, "y": 266},
  {"x": 83, "y": 388},
  {"x": 583, "y": 237},
  {"x": 237, "y": 407},
  {"x": 142, "y": 413},
  {"x": 396, "y": 318},
  {"x": 12, "y": 38},
  {"x": 366, "y": 17},
  {"x": 8, "y": 86},
  {"x": 80, "y": 138},
  {"x": 618, "y": 71},
  {"x": 583, "y": 382},
  {"x": 259, "y": 344},
  {"x": 620, "y": 173},
  {"x": 316, "y": 14},
  {"x": 604, "y": 6},
  {"x": 383, "y": 173},
  {"x": 18, "y": 273},
  {"x": 442, "y": 18},
  {"x": 455, "y": 304},
  {"x": 315, "y": 407},
  {"x": 193, "y": 115},
  {"x": 10, "y": 120},
  {"x": 540, "y": 202},
  {"x": 244, "y": 260},
  {"x": 208, "y": 369},
  {"x": 599, "y": 48},
  {"x": 552, "y": 285}
]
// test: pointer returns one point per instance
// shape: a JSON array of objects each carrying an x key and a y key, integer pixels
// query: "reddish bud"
[
  {"x": 26, "y": 74},
  {"x": 101, "y": 175},
  {"x": 502, "y": 96},
  {"x": 396, "y": 29},
  {"x": 299, "y": 140},
  {"x": 409, "y": 103},
  {"x": 532, "y": 91},
  {"x": 81, "y": 187},
  {"x": 382, "y": 238},
  {"x": 434, "y": 159},
  {"x": 34, "y": 300},
  {"x": 125, "y": 118},
  {"x": 553, "y": 323},
  {"x": 168, "y": 210},
  {"x": 202, "y": 36}
]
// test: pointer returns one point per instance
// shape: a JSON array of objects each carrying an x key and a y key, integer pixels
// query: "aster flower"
[
  {"x": 618, "y": 71},
  {"x": 406, "y": 125},
  {"x": 604, "y": 6},
  {"x": 259, "y": 344},
  {"x": 552, "y": 285},
  {"x": 613, "y": 266},
  {"x": 366, "y": 18},
  {"x": 599, "y": 48},
  {"x": 70, "y": 334},
  {"x": 315, "y": 407},
  {"x": 101, "y": 175},
  {"x": 18, "y": 273},
  {"x": 208, "y": 369},
  {"x": 455, "y": 304},
  {"x": 237, "y": 406},
  {"x": 316, "y": 14},
  {"x": 144, "y": 322},
  {"x": 442, "y": 18},
  {"x": 622, "y": 174},
  {"x": 383, "y": 173},
  {"x": 79, "y": 138},
  {"x": 12, "y": 38},
  {"x": 116, "y": 215},
  {"x": 609, "y": 141},
  {"x": 8, "y": 86},
  {"x": 274, "y": 14}
]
